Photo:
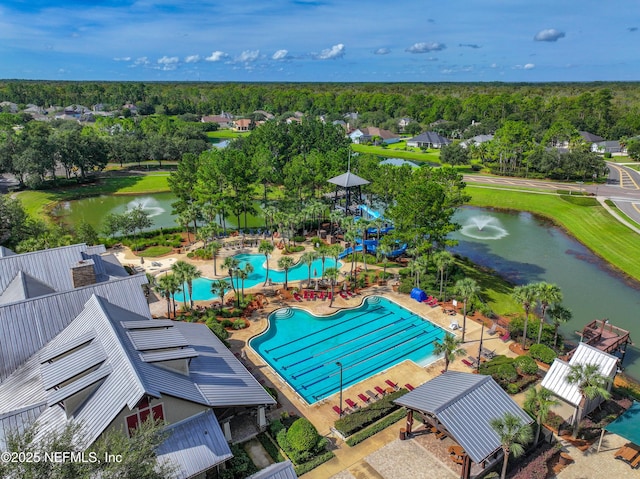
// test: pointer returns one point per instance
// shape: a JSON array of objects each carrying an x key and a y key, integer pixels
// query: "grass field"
[
  {"x": 224, "y": 134},
  {"x": 587, "y": 221},
  {"x": 397, "y": 150},
  {"x": 38, "y": 203}
]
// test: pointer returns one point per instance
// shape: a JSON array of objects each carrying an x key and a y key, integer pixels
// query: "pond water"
[
  {"x": 526, "y": 249},
  {"x": 157, "y": 205}
]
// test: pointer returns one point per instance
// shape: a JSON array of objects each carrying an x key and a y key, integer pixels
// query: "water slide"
[{"x": 372, "y": 246}]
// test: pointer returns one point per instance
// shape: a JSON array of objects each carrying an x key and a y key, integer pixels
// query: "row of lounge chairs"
[
  {"x": 370, "y": 396},
  {"x": 321, "y": 295},
  {"x": 431, "y": 301}
]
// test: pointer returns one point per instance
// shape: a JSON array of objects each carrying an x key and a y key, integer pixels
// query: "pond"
[
  {"x": 93, "y": 210},
  {"x": 525, "y": 249}
]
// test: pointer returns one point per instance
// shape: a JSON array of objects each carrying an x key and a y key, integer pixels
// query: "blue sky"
[{"x": 318, "y": 40}]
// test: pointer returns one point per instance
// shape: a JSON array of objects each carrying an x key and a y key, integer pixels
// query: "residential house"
[
  {"x": 461, "y": 406},
  {"x": 8, "y": 107},
  {"x": 374, "y": 135},
  {"x": 265, "y": 114},
  {"x": 293, "y": 119},
  {"x": 556, "y": 378},
  {"x": 243, "y": 124},
  {"x": 428, "y": 139},
  {"x": 613, "y": 147},
  {"x": 403, "y": 123},
  {"x": 224, "y": 120},
  {"x": 131, "y": 107},
  {"x": 351, "y": 116},
  {"x": 476, "y": 140},
  {"x": 79, "y": 345}
]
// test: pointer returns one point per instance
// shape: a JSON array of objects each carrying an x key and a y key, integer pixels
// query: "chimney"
[{"x": 83, "y": 273}]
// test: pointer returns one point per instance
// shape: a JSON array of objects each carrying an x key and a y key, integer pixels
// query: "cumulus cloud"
[
  {"x": 122, "y": 59},
  {"x": 248, "y": 56},
  {"x": 469, "y": 45},
  {"x": 168, "y": 63},
  {"x": 141, "y": 61},
  {"x": 425, "y": 47},
  {"x": 280, "y": 55},
  {"x": 336, "y": 51},
  {"x": 192, "y": 59},
  {"x": 382, "y": 51},
  {"x": 548, "y": 35},
  {"x": 216, "y": 56},
  {"x": 529, "y": 66}
]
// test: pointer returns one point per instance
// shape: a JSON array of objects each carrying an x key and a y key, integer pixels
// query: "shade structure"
[
  {"x": 348, "y": 180},
  {"x": 418, "y": 295}
]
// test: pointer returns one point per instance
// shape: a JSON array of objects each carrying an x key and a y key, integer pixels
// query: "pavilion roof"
[{"x": 348, "y": 180}]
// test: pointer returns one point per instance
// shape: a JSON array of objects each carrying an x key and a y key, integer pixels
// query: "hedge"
[
  {"x": 363, "y": 417},
  {"x": 542, "y": 353},
  {"x": 270, "y": 447},
  {"x": 375, "y": 428},
  {"x": 308, "y": 466}
]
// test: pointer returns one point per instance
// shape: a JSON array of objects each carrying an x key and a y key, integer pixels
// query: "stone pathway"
[{"x": 258, "y": 454}]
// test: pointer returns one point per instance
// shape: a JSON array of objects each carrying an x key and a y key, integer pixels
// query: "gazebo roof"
[{"x": 348, "y": 180}]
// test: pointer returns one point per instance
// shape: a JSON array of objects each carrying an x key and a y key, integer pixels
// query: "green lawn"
[
  {"x": 397, "y": 150},
  {"x": 224, "y": 134},
  {"x": 38, "y": 203},
  {"x": 591, "y": 225}
]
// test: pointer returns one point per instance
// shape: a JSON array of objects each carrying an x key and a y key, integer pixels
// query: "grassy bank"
[
  {"x": 39, "y": 203},
  {"x": 585, "y": 220}
]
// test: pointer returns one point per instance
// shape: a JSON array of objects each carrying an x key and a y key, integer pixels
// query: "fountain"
[
  {"x": 484, "y": 227},
  {"x": 149, "y": 205}
]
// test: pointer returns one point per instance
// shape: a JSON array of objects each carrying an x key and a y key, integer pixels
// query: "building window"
[{"x": 134, "y": 420}]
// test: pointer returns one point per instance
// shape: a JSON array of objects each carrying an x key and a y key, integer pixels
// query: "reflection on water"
[{"x": 534, "y": 250}]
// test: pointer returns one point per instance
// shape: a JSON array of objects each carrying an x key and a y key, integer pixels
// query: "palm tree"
[
  {"x": 308, "y": 257},
  {"x": 181, "y": 270},
  {"x": 191, "y": 273},
  {"x": 219, "y": 287},
  {"x": 466, "y": 288},
  {"x": 246, "y": 272},
  {"x": 151, "y": 283},
  {"x": 538, "y": 403},
  {"x": 334, "y": 217},
  {"x": 513, "y": 435},
  {"x": 231, "y": 264},
  {"x": 559, "y": 314},
  {"x": 443, "y": 261},
  {"x": 525, "y": 295},
  {"x": 591, "y": 384},
  {"x": 266, "y": 248},
  {"x": 241, "y": 274},
  {"x": 332, "y": 274},
  {"x": 285, "y": 263},
  {"x": 417, "y": 266},
  {"x": 170, "y": 284},
  {"x": 546, "y": 293},
  {"x": 334, "y": 251},
  {"x": 214, "y": 249},
  {"x": 450, "y": 347},
  {"x": 384, "y": 249},
  {"x": 164, "y": 288},
  {"x": 322, "y": 251}
]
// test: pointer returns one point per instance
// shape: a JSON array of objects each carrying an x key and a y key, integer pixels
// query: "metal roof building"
[
  {"x": 279, "y": 470},
  {"x": 463, "y": 405}
]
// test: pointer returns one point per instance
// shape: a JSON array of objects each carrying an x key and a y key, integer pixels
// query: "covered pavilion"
[{"x": 348, "y": 193}]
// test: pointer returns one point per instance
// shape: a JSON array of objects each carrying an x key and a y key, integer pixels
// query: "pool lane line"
[
  {"x": 366, "y": 374},
  {"x": 324, "y": 351},
  {"x": 352, "y": 365},
  {"x": 322, "y": 340},
  {"x": 324, "y": 329},
  {"x": 378, "y": 340}
]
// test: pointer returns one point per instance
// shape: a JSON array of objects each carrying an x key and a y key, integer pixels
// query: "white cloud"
[
  {"x": 280, "y": 55},
  {"x": 529, "y": 66},
  {"x": 248, "y": 56},
  {"x": 548, "y": 35},
  {"x": 336, "y": 51},
  {"x": 425, "y": 47},
  {"x": 168, "y": 63},
  {"x": 382, "y": 51},
  {"x": 216, "y": 56},
  {"x": 192, "y": 59},
  {"x": 122, "y": 59},
  {"x": 141, "y": 61}
]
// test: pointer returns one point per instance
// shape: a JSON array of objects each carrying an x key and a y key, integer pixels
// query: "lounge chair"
[
  {"x": 338, "y": 411},
  {"x": 391, "y": 384},
  {"x": 487, "y": 353},
  {"x": 372, "y": 396},
  {"x": 409, "y": 387},
  {"x": 380, "y": 391},
  {"x": 343, "y": 295},
  {"x": 506, "y": 336},
  {"x": 492, "y": 330},
  {"x": 351, "y": 404},
  {"x": 330, "y": 295},
  {"x": 363, "y": 398},
  {"x": 454, "y": 326}
]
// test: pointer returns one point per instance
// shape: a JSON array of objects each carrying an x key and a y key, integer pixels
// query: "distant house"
[
  {"x": 428, "y": 139},
  {"x": 351, "y": 116},
  {"x": 403, "y": 123},
  {"x": 612, "y": 147},
  {"x": 368, "y": 135},
  {"x": 224, "y": 120},
  {"x": 265, "y": 114},
  {"x": 243, "y": 124},
  {"x": 476, "y": 140},
  {"x": 131, "y": 107},
  {"x": 8, "y": 107},
  {"x": 293, "y": 119},
  {"x": 590, "y": 137}
]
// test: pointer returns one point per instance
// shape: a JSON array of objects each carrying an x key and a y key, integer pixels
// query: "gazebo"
[{"x": 348, "y": 194}]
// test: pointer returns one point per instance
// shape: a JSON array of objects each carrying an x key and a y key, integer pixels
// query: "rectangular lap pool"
[{"x": 304, "y": 349}]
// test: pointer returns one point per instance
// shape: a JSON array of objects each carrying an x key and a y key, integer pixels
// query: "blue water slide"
[
  {"x": 372, "y": 246},
  {"x": 372, "y": 213}
]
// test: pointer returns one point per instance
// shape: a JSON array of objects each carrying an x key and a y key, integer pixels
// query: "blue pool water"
[
  {"x": 304, "y": 349},
  {"x": 202, "y": 286}
]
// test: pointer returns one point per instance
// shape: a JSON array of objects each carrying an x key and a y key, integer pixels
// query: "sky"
[{"x": 321, "y": 40}]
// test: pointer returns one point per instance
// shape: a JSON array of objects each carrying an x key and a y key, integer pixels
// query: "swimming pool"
[
  {"x": 304, "y": 349},
  {"x": 202, "y": 286}
]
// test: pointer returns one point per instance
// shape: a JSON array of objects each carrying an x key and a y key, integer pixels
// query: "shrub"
[
  {"x": 275, "y": 427},
  {"x": 299, "y": 239},
  {"x": 239, "y": 324},
  {"x": 239, "y": 466},
  {"x": 308, "y": 466},
  {"x": 506, "y": 373},
  {"x": 375, "y": 428},
  {"x": 526, "y": 365},
  {"x": 226, "y": 323},
  {"x": 217, "y": 329},
  {"x": 542, "y": 353},
  {"x": 302, "y": 436},
  {"x": 365, "y": 416},
  {"x": 513, "y": 388},
  {"x": 270, "y": 447},
  {"x": 406, "y": 285}
]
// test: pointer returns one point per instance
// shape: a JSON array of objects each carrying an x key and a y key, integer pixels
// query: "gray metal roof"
[
  {"x": 347, "y": 180},
  {"x": 24, "y": 286},
  {"x": 429, "y": 137},
  {"x": 465, "y": 404},
  {"x": 147, "y": 339},
  {"x": 219, "y": 375},
  {"x": 279, "y": 470},
  {"x": 71, "y": 365},
  {"x": 5, "y": 252},
  {"x": 154, "y": 357},
  {"x": 26, "y": 326},
  {"x": 556, "y": 378},
  {"x": 194, "y": 445}
]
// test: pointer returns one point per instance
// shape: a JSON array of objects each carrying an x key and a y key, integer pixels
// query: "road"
[{"x": 622, "y": 187}]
